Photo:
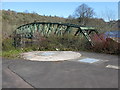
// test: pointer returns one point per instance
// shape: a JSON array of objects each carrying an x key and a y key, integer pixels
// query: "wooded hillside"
[{"x": 11, "y": 20}]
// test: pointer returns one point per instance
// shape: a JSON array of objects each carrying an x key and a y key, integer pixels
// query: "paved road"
[{"x": 65, "y": 74}]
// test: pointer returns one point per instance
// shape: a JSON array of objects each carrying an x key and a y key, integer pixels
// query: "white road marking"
[{"x": 113, "y": 66}]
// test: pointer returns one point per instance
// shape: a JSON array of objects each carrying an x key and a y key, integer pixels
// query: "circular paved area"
[{"x": 51, "y": 55}]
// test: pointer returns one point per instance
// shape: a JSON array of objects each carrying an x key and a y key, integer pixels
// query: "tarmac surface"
[{"x": 61, "y": 74}]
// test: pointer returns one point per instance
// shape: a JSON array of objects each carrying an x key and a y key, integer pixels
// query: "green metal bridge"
[{"x": 29, "y": 31}]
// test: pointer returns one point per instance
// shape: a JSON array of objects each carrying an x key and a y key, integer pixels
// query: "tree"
[
  {"x": 70, "y": 17},
  {"x": 83, "y": 12},
  {"x": 33, "y": 12},
  {"x": 26, "y": 11},
  {"x": 110, "y": 14}
]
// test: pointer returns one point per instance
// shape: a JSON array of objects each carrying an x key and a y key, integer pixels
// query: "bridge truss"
[{"x": 29, "y": 31}]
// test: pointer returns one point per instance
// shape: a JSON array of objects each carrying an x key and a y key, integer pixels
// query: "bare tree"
[
  {"x": 110, "y": 14},
  {"x": 83, "y": 12},
  {"x": 70, "y": 17},
  {"x": 26, "y": 11}
]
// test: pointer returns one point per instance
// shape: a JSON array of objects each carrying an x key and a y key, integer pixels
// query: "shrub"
[
  {"x": 62, "y": 43},
  {"x": 7, "y": 44}
]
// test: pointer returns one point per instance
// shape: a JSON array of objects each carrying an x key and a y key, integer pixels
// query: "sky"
[
  {"x": 64, "y": 9},
  {"x": 119, "y": 10}
]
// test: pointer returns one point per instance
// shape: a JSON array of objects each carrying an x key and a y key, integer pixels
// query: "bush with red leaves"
[{"x": 103, "y": 43}]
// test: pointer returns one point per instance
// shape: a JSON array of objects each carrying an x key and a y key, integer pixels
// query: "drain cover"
[{"x": 88, "y": 60}]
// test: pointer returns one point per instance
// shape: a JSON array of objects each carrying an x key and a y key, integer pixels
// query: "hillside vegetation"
[{"x": 11, "y": 20}]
